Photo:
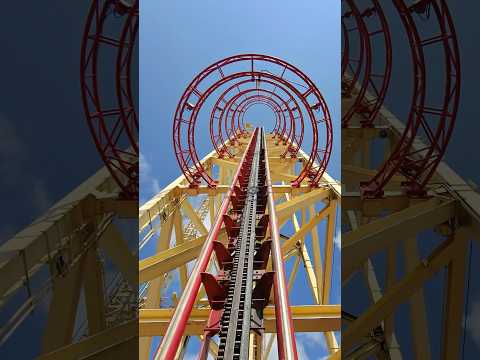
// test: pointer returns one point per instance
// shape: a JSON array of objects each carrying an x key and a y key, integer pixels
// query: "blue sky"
[{"x": 179, "y": 39}]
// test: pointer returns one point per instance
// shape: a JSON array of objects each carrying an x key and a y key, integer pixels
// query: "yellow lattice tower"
[
  {"x": 161, "y": 221},
  {"x": 59, "y": 259},
  {"x": 396, "y": 224}
]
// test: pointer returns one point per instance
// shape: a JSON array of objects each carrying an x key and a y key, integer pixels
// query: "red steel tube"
[
  {"x": 287, "y": 347},
  {"x": 176, "y": 327}
]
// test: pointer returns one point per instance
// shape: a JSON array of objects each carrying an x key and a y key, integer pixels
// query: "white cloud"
[
  {"x": 302, "y": 352},
  {"x": 473, "y": 323},
  {"x": 148, "y": 183},
  {"x": 310, "y": 346},
  {"x": 337, "y": 239},
  {"x": 314, "y": 339}
]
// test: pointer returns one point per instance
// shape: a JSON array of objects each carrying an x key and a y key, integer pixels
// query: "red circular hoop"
[
  {"x": 218, "y": 139},
  {"x": 308, "y": 169},
  {"x": 193, "y": 99},
  {"x": 293, "y": 141},
  {"x": 363, "y": 64},
  {"x": 280, "y": 120},
  {"x": 114, "y": 127},
  {"x": 232, "y": 133},
  {"x": 419, "y": 165},
  {"x": 354, "y": 65},
  {"x": 376, "y": 77}
]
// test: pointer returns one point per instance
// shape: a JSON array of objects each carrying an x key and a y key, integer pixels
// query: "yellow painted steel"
[
  {"x": 178, "y": 196},
  {"x": 307, "y": 318},
  {"x": 394, "y": 224}
]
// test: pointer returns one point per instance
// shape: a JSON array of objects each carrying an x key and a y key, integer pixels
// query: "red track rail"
[
  {"x": 111, "y": 115},
  {"x": 178, "y": 323}
]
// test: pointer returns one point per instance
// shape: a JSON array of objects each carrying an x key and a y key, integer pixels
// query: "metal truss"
[
  {"x": 395, "y": 224},
  {"x": 257, "y": 78},
  {"x": 109, "y": 40},
  {"x": 396, "y": 190},
  {"x": 59, "y": 261},
  {"x": 303, "y": 208}
]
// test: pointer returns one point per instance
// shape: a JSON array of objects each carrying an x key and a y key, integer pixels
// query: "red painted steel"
[
  {"x": 220, "y": 74},
  {"x": 307, "y": 168},
  {"x": 112, "y": 123},
  {"x": 352, "y": 61},
  {"x": 283, "y": 105},
  {"x": 360, "y": 68},
  {"x": 376, "y": 77},
  {"x": 278, "y": 103},
  {"x": 286, "y": 342},
  {"x": 176, "y": 327},
  {"x": 434, "y": 122}
]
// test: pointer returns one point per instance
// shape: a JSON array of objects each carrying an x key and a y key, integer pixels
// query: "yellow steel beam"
[
  {"x": 393, "y": 201},
  {"x": 156, "y": 284},
  {"x": 116, "y": 247},
  {"x": 151, "y": 209},
  {"x": 94, "y": 294},
  {"x": 211, "y": 209},
  {"x": 336, "y": 355},
  {"x": 455, "y": 298},
  {"x": 285, "y": 209},
  {"x": 179, "y": 240},
  {"x": 268, "y": 347},
  {"x": 114, "y": 343},
  {"x": 170, "y": 259},
  {"x": 293, "y": 273},
  {"x": 231, "y": 163},
  {"x": 356, "y": 174},
  {"x": 389, "y": 323},
  {"x": 398, "y": 293},
  {"x": 305, "y": 229},
  {"x": 194, "y": 218},
  {"x": 307, "y": 318},
  {"x": 359, "y": 245},
  {"x": 317, "y": 256},
  {"x": 373, "y": 286},
  {"x": 419, "y": 328},
  {"x": 63, "y": 308},
  {"x": 222, "y": 189},
  {"x": 329, "y": 247},
  {"x": 311, "y": 279}
]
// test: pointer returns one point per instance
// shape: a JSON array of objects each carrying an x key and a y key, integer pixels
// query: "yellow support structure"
[{"x": 322, "y": 317}]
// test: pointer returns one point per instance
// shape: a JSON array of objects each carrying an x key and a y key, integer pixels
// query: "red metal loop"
[
  {"x": 238, "y": 126},
  {"x": 376, "y": 76},
  {"x": 288, "y": 135},
  {"x": 111, "y": 117},
  {"x": 363, "y": 65},
  {"x": 218, "y": 139},
  {"x": 352, "y": 67},
  {"x": 193, "y": 99},
  {"x": 434, "y": 122},
  {"x": 308, "y": 169}
]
